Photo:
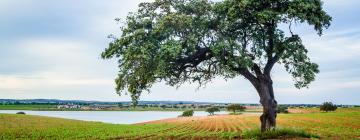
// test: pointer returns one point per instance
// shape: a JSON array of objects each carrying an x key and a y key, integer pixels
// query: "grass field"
[
  {"x": 342, "y": 124},
  {"x": 27, "y": 107},
  {"x": 36, "y": 127}
]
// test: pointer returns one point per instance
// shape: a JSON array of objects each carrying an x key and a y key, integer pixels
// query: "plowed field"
[{"x": 342, "y": 124}]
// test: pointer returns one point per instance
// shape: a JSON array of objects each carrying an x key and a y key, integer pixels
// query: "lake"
[{"x": 115, "y": 117}]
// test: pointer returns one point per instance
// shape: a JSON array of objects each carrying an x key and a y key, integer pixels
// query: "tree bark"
[
  {"x": 264, "y": 86},
  {"x": 265, "y": 90}
]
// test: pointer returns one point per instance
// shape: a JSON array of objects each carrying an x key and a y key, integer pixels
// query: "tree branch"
[
  {"x": 246, "y": 73},
  {"x": 271, "y": 60},
  {"x": 192, "y": 61},
  {"x": 256, "y": 69},
  {"x": 270, "y": 64}
]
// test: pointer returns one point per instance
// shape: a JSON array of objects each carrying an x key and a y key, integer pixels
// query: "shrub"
[
  {"x": 22, "y": 113},
  {"x": 212, "y": 110},
  {"x": 235, "y": 107},
  {"x": 187, "y": 113},
  {"x": 282, "y": 109},
  {"x": 328, "y": 106}
]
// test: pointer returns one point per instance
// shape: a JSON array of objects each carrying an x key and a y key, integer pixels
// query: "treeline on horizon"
[{"x": 162, "y": 104}]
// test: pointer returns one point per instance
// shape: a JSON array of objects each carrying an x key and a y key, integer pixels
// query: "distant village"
[
  {"x": 199, "y": 106},
  {"x": 143, "y": 105}
]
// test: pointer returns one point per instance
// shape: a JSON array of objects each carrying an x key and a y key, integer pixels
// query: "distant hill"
[{"x": 57, "y": 101}]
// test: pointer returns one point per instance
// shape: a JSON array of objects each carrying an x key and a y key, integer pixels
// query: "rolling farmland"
[{"x": 342, "y": 124}]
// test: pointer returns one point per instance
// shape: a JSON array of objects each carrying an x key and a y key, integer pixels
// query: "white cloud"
[
  {"x": 41, "y": 80},
  {"x": 338, "y": 46},
  {"x": 69, "y": 64},
  {"x": 69, "y": 67}
]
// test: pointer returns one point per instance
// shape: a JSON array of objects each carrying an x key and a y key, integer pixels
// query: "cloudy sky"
[{"x": 51, "y": 49}]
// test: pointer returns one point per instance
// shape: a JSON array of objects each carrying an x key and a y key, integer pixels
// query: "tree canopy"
[
  {"x": 235, "y": 107},
  {"x": 328, "y": 106},
  {"x": 178, "y": 41},
  {"x": 187, "y": 113},
  {"x": 212, "y": 110}
]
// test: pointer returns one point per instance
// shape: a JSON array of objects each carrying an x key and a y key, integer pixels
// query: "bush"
[
  {"x": 188, "y": 113},
  {"x": 282, "y": 109},
  {"x": 235, "y": 107},
  {"x": 22, "y": 113},
  {"x": 328, "y": 106},
  {"x": 212, "y": 110}
]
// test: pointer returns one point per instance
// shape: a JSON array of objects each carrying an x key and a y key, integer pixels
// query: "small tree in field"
[
  {"x": 212, "y": 110},
  {"x": 328, "y": 106},
  {"x": 187, "y": 41},
  {"x": 187, "y": 113},
  {"x": 282, "y": 109},
  {"x": 235, "y": 107}
]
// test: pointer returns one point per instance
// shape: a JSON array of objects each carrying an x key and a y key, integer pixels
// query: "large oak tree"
[{"x": 180, "y": 41}]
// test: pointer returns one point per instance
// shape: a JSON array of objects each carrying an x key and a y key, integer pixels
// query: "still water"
[{"x": 115, "y": 117}]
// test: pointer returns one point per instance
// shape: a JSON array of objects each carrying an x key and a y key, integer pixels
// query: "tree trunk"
[{"x": 267, "y": 100}]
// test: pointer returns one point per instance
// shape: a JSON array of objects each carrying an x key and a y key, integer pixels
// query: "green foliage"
[
  {"x": 182, "y": 41},
  {"x": 187, "y": 113},
  {"x": 328, "y": 106},
  {"x": 282, "y": 133},
  {"x": 212, "y": 110},
  {"x": 235, "y": 107},
  {"x": 282, "y": 109}
]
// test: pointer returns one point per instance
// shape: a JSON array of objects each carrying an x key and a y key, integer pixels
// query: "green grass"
[
  {"x": 36, "y": 127},
  {"x": 278, "y": 133},
  {"x": 27, "y": 107},
  {"x": 342, "y": 124}
]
